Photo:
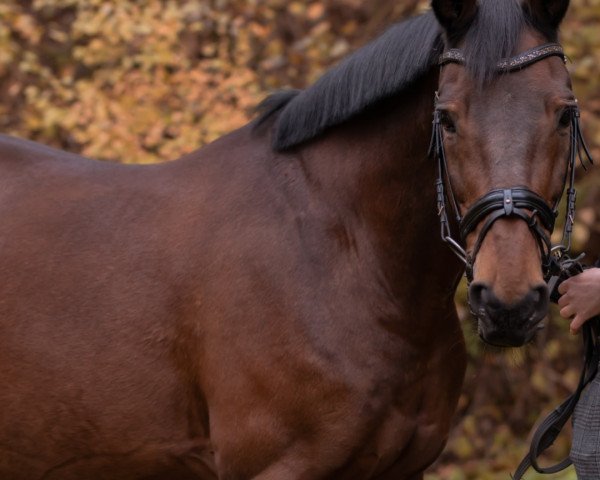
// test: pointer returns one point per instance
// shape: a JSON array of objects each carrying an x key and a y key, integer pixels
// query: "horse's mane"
[{"x": 389, "y": 65}]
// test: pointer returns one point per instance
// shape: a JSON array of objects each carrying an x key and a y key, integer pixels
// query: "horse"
[{"x": 279, "y": 304}]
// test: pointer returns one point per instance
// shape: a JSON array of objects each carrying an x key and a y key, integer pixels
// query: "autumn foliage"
[
  {"x": 141, "y": 81},
  {"x": 149, "y": 80}
]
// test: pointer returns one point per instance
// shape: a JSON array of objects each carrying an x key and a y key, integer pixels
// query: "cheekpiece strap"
[{"x": 512, "y": 64}]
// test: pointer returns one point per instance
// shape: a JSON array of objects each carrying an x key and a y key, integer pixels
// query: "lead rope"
[{"x": 547, "y": 432}]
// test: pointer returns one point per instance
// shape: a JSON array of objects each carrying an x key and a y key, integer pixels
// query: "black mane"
[{"x": 389, "y": 65}]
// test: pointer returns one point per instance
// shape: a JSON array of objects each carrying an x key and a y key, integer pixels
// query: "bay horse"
[{"x": 279, "y": 304}]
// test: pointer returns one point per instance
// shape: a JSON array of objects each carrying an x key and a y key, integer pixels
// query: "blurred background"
[{"x": 149, "y": 80}]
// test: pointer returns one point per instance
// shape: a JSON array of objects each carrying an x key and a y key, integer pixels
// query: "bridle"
[
  {"x": 516, "y": 202},
  {"x": 522, "y": 203}
]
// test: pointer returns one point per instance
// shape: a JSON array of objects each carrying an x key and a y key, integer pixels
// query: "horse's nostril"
[
  {"x": 540, "y": 298},
  {"x": 508, "y": 324},
  {"x": 523, "y": 313},
  {"x": 542, "y": 291},
  {"x": 479, "y": 295}
]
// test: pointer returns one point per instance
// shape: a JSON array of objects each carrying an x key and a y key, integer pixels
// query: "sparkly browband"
[{"x": 515, "y": 63}]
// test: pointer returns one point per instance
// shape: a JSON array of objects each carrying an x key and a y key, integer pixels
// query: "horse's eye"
[
  {"x": 447, "y": 122},
  {"x": 565, "y": 118}
]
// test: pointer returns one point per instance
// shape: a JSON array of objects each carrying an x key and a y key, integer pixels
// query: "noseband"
[{"x": 517, "y": 202}]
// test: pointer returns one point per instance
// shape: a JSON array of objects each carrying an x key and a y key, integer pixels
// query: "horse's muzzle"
[{"x": 505, "y": 325}]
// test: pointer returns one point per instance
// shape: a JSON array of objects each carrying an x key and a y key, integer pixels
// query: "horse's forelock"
[{"x": 495, "y": 33}]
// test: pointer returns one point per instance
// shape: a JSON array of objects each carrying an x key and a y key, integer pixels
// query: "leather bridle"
[
  {"x": 516, "y": 202},
  {"x": 522, "y": 203}
]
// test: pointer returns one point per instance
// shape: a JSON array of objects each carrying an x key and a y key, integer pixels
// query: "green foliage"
[{"x": 150, "y": 80}]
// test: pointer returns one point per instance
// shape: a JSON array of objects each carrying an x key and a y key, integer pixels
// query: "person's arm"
[{"x": 580, "y": 298}]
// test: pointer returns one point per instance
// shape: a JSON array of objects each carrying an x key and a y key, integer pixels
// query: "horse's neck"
[{"x": 376, "y": 169}]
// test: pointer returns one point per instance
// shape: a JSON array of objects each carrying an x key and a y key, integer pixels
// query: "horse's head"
[{"x": 505, "y": 131}]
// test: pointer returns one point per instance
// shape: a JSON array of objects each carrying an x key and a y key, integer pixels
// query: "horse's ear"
[
  {"x": 548, "y": 12},
  {"x": 454, "y": 15}
]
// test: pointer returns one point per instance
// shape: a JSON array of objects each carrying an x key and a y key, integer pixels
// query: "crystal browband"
[{"x": 512, "y": 64}]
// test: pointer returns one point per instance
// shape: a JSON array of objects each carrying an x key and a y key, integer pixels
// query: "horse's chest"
[
  {"x": 355, "y": 413},
  {"x": 407, "y": 434},
  {"x": 411, "y": 425}
]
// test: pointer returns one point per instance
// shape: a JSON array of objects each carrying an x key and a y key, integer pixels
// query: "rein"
[
  {"x": 516, "y": 202},
  {"x": 549, "y": 429},
  {"x": 522, "y": 203}
]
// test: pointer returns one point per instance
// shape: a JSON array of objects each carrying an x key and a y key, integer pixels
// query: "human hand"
[{"x": 580, "y": 298}]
